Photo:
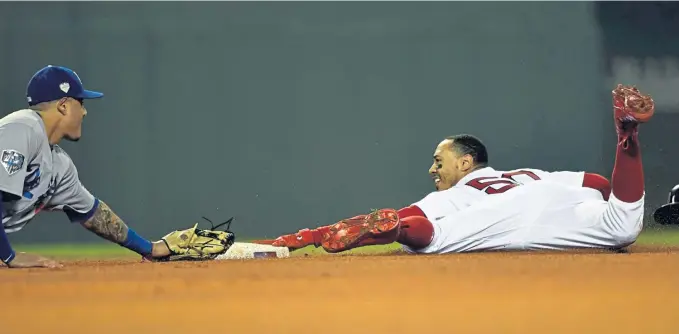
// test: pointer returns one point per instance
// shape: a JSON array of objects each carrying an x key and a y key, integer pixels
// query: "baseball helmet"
[{"x": 669, "y": 213}]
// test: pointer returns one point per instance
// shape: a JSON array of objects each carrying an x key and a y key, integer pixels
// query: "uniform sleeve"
[
  {"x": 439, "y": 204},
  {"x": 526, "y": 175},
  {"x": 568, "y": 178},
  {"x": 70, "y": 195},
  {"x": 15, "y": 151}
]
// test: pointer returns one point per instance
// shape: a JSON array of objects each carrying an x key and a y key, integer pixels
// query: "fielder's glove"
[{"x": 195, "y": 244}]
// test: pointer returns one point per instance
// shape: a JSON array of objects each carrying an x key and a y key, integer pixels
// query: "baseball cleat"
[
  {"x": 381, "y": 226},
  {"x": 630, "y": 108}
]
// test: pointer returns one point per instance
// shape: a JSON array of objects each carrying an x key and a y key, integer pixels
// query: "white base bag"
[{"x": 246, "y": 250}]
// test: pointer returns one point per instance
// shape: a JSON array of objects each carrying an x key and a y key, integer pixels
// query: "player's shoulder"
[
  {"x": 61, "y": 154},
  {"x": 62, "y": 162},
  {"x": 24, "y": 119},
  {"x": 525, "y": 175},
  {"x": 56, "y": 149},
  {"x": 525, "y": 169},
  {"x": 448, "y": 194}
]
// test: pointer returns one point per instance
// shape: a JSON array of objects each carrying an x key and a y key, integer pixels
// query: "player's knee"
[
  {"x": 627, "y": 239},
  {"x": 628, "y": 234},
  {"x": 625, "y": 221}
]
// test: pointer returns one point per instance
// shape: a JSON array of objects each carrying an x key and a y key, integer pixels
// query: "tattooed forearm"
[{"x": 106, "y": 224}]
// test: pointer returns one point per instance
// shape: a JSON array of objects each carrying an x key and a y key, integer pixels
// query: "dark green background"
[{"x": 288, "y": 115}]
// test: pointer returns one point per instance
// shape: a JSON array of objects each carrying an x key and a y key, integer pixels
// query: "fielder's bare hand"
[{"x": 25, "y": 260}]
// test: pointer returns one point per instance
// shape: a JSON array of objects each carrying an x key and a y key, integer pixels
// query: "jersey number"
[{"x": 506, "y": 180}]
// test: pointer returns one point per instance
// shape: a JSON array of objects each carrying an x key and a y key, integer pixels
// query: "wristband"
[{"x": 136, "y": 243}]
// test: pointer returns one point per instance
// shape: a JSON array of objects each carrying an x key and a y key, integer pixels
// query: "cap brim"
[
  {"x": 667, "y": 214},
  {"x": 89, "y": 94}
]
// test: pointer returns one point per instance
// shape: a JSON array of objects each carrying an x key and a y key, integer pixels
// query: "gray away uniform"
[{"x": 40, "y": 176}]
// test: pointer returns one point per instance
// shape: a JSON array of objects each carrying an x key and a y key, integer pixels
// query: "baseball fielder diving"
[
  {"x": 529, "y": 209},
  {"x": 38, "y": 175}
]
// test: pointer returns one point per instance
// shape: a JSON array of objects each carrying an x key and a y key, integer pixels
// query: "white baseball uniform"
[
  {"x": 486, "y": 181},
  {"x": 539, "y": 215},
  {"x": 40, "y": 176}
]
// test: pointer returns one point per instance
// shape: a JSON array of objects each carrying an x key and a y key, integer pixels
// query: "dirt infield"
[{"x": 636, "y": 292}]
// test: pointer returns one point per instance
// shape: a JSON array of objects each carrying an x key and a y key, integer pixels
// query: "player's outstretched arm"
[
  {"x": 84, "y": 208},
  {"x": 106, "y": 224}
]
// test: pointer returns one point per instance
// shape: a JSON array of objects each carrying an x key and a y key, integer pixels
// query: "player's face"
[
  {"x": 73, "y": 111},
  {"x": 446, "y": 169}
]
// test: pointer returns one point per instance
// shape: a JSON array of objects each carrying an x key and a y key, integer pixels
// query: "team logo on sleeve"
[{"x": 12, "y": 160}]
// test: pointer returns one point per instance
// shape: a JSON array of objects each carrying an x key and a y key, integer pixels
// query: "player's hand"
[
  {"x": 25, "y": 260},
  {"x": 160, "y": 250}
]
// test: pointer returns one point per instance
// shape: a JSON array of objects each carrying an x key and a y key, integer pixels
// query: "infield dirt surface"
[{"x": 577, "y": 292}]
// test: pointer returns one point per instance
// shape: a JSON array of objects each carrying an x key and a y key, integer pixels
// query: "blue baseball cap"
[{"x": 55, "y": 82}]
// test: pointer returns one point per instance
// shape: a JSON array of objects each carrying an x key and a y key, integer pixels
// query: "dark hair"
[{"x": 468, "y": 144}]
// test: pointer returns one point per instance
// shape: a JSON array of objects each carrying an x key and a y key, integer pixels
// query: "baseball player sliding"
[
  {"x": 563, "y": 210},
  {"x": 39, "y": 175}
]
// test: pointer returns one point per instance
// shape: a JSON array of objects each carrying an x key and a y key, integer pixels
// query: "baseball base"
[{"x": 246, "y": 250}]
